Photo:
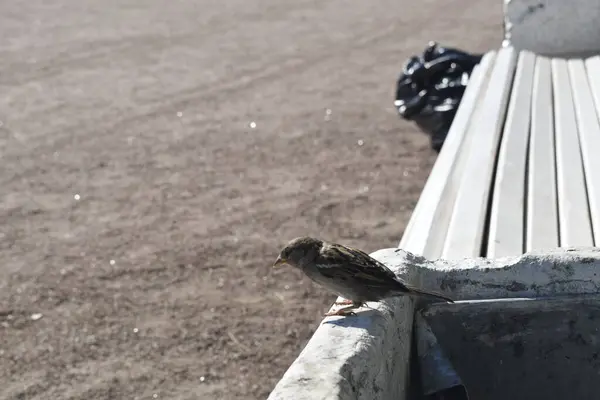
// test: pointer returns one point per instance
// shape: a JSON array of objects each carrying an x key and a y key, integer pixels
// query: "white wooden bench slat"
[
  {"x": 507, "y": 218},
  {"x": 542, "y": 207},
  {"x": 465, "y": 232},
  {"x": 573, "y": 212},
  {"x": 590, "y": 136},
  {"x": 432, "y": 212}
]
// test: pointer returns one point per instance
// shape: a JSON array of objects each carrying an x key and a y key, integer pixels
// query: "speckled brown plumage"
[{"x": 350, "y": 273}]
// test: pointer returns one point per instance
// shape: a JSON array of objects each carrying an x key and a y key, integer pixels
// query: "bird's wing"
[{"x": 346, "y": 262}]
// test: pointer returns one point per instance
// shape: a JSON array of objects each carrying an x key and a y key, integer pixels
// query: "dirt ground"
[{"x": 157, "y": 154}]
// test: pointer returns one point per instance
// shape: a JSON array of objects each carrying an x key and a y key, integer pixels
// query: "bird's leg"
[
  {"x": 344, "y": 302},
  {"x": 344, "y": 311}
]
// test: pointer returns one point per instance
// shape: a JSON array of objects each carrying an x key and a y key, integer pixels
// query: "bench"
[{"x": 519, "y": 171}]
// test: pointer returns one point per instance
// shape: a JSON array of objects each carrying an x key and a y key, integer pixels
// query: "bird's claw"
[
  {"x": 340, "y": 314},
  {"x": 344, "y": 312}
]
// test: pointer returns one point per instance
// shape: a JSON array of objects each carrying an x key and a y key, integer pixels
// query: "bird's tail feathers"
[{"x": 421, "y": 292}]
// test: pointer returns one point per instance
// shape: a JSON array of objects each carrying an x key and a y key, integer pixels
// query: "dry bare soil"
[{"x": 155, "y": 155}]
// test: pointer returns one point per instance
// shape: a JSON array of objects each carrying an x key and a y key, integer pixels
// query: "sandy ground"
[{"x": 157, "y": 154}]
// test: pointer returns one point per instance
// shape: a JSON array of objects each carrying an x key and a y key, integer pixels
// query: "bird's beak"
[{"x": 278, "y": 262}]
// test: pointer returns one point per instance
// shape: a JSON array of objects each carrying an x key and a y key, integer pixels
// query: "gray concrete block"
[
  {"x": 522, "y": 349},
  {"x": 367, "y": 356},
  {"x": 553, "y": 27}
]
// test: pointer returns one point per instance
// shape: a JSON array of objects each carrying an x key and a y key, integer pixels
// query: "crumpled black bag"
[{"x": 431, "y": 86}]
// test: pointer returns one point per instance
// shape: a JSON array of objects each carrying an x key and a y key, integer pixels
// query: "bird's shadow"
[{"x": 362, "y": 319}]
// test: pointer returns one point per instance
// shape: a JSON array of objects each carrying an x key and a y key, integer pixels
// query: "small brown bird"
[{"x": 349, "y": 273}]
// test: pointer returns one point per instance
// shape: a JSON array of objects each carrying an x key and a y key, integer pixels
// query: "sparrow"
[{"x": 350, "y": 273}]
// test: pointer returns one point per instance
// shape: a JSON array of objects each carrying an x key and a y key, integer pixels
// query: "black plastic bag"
[{"x": 431, "y": 86}]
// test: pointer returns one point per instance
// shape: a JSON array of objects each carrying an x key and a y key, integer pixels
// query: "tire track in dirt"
[
  {"x": 242, "y": 81},
  {"x": 85, "y": 55},
  {"x": 81, "y": 56}
]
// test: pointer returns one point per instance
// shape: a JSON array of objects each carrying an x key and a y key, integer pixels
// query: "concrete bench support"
[{"x": 365, "y": 357}]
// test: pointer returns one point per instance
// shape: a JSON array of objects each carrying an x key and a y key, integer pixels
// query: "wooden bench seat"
[{"x": 520, "y": 168}]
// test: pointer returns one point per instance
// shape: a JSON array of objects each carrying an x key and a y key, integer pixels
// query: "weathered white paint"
[
  {"x": 542, "y": 208},
  {"x": 426, "y": 231},
  {"x": 465, "y": 231},
  {"x": 573, "y": 212},
  {"x": 507, "y": 230}
]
